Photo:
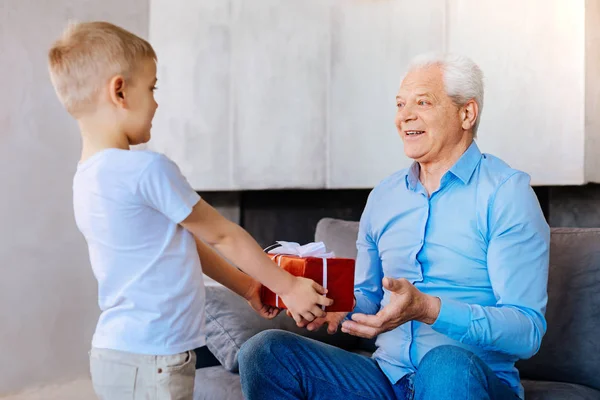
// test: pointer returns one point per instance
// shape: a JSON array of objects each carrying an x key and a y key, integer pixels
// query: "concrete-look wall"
[
  {"x": 300, "y": 94},
  {"x": 48, "y": 296}
]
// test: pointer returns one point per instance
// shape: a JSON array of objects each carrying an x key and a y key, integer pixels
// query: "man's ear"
[
  {"x": 117, "y": 91},
  {"x": 468, "y": 114}
]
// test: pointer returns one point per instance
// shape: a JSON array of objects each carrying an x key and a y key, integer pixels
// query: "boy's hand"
[
  {"x": 332, "y": 319},
  {"x": 253, "y": 298},
  {"x": 304, "y": 299}
]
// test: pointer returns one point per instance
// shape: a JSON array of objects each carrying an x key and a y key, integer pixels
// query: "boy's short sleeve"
[{"x": 164, "y": 188}]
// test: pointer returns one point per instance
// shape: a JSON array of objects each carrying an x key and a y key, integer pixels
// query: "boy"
[{"x": 146, "y": 228}]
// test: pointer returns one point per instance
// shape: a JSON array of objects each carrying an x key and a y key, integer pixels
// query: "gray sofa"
[{"x": 566, "y": 367}]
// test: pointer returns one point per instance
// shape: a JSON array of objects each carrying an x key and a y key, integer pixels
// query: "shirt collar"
[
  {"x": 466, "y": 164},
  {"x": 463, "y": 169}
]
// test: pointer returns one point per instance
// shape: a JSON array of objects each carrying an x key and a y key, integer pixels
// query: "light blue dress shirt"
[{"x": 480, "y": 243}]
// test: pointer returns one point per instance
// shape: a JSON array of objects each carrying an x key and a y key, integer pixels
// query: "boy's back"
[{"x": 128, "y": 205}]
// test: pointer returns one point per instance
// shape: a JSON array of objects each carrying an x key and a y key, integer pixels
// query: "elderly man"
[{"x": 452, "y": 268}]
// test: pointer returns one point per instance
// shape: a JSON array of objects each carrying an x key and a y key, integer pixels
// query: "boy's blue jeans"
[{"x": 281, "y": 365}]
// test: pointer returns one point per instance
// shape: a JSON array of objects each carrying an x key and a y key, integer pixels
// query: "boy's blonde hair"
[{"x": 87, "y": 56}]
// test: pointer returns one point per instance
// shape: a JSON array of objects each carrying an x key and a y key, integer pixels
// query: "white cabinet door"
[{"x": 372, "y": 42}]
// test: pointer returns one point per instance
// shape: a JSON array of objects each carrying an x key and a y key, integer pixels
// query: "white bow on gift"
[{"x": 314, "y": 249}]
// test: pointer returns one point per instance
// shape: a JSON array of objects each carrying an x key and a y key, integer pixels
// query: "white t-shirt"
[{"x": 128, "y": 205}]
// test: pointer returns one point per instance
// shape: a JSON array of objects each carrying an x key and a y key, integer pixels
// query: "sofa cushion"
[
  {"x": 339, "y": 236},
  {"x": 230, "y": 321},
  {"x": 539, "y": 390},
  {"x": 215, "y": 383},
  {"x": 570, "y": 350}
]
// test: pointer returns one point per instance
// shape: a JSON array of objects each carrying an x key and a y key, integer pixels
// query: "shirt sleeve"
[
  {"x": 368, "y": 291},
  {"x": 164, "y": 188},
  {"x": 517, "y": 261}
]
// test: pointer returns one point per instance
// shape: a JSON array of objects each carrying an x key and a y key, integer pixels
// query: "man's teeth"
[{"x": 414, "y": 132}]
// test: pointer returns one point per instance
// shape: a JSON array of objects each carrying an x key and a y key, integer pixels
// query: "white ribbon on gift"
[{"x": 314, "y": 249}]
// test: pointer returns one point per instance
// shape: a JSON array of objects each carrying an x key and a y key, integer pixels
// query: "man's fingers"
[
  {"x": 316, "y": 324},
  {"x": 394, "y": 285},
  {"x": 332, "y": 328},
  {"x": 319, "y": 288},
  {"x": 359, "y": 330},
  {"x": 324, "y": 301},
  {"x": 374, "y": 321}
]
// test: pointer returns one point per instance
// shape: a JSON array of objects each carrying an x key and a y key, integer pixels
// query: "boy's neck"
[{"x": 97, "y": 138}]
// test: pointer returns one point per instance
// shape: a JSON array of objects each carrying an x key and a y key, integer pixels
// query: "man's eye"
[
  {"x": 423, "y": 102},
  {"x": 400, "y": 105}
]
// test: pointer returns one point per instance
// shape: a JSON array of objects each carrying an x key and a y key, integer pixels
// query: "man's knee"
[
  {"x": 262, "y": 348},
  {"x": 446, "y": 359}
]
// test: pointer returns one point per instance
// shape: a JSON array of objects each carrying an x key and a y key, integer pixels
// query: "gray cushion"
[
  {"x": 215, "y": 383},
  {"x": 570, "y": 350},
  {"x": 339, "y": 236},
  {"x": 538, "y": 390},
  {"x": 230, "y": 321}
]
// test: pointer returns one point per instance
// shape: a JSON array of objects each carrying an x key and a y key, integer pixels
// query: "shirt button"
[{"x": 160, "y": 370}]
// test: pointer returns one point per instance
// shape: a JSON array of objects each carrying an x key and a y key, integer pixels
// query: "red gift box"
[{"x": 339, "y": 279}]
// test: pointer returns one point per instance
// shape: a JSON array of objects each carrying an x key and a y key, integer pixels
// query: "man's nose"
[{"x": 406, "y": 113}]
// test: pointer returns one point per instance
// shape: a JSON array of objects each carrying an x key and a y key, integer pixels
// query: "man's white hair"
[{"x": 463, "y": 78}]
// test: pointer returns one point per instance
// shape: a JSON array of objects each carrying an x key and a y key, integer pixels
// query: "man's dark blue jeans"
[{"x": 281, "y": 365}]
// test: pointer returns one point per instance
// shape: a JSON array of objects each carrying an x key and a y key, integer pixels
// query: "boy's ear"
[{"x": 117, "y": 91}]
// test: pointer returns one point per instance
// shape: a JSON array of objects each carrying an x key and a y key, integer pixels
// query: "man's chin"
[{"x": 415, "y": 154}]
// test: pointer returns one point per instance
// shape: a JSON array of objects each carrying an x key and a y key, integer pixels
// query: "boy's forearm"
[
  {"x": 234, "y": 243},
  {"x": 219, "y": 269},
  {"x": 242, "y": 250}
]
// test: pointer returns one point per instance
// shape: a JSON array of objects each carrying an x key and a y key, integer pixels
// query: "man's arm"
[
  {"x": 517, "y": 258},
  {"x": 368, "y": 291}
]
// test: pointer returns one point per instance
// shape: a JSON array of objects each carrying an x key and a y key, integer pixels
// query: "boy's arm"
[
  {"x": 229, "y": 276},
  {"x": 299, "y": 294}
]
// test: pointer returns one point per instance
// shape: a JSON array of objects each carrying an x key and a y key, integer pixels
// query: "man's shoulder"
[
  {"x": 494, "y": 171},
  {"x": 392, "y": 181},
  {"x": 389, "y": 183}
]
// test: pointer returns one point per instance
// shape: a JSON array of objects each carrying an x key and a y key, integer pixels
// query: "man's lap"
[
  {"x": 294, "y": 367},
  {"x": 322, "y": 371}
]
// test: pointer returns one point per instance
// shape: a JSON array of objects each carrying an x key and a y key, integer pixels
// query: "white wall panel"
[
  {"x": 281, "y": 53},
  {"x": 192, "y": 124},
  {"x": 372, "y": 44},
  {"x": 532, "y": 55}
]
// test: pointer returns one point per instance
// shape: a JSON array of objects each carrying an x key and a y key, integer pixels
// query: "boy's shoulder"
[{"x": 142, "y": 160}]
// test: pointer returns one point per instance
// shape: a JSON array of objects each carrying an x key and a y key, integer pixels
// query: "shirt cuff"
[
  {"x": 454, "y": 319},
  {"x": 363, "y": 306}
]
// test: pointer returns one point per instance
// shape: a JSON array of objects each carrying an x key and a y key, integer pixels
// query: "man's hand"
[
  {"x": 253, "y": 298},
  {"x": 407, "y": 303}
]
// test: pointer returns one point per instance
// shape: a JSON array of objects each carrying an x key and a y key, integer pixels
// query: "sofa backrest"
[{"x": 570, "y": 350}]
